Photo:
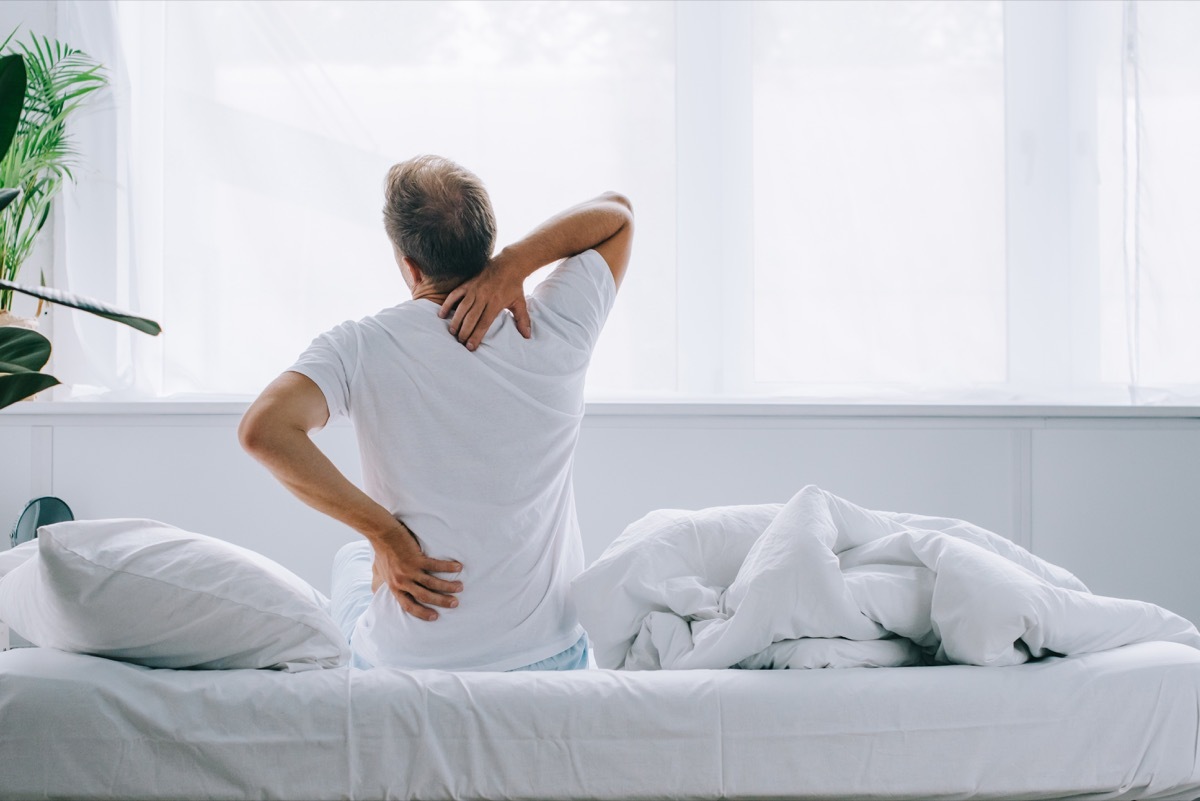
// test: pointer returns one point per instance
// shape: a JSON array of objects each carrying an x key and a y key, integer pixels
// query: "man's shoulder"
[
  {"x": 580, "y": 290},
  {"x": 396, "y": 335},
  {"x": 408, "y": 314},
  {"x": 387, "y": 323}
]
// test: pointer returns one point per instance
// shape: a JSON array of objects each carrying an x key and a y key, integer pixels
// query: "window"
[
  {"x": 918, "y": 200},
  {"x": 272, "y": 126},
  {"x": 879, "y": 194}
]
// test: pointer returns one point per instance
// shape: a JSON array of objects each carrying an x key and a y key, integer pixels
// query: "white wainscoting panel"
[
  {"x": 626, "y": 467},
  {"x": 1111, "y": 497},
  {"x": 198, "y": 478},
  {"x": 1118, "y": 507},
  {"x": 15, "y": 487}
]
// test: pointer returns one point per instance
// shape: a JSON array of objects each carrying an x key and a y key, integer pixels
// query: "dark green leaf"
[
  {"x": 88, "y": 305},
  {"x": 20, "y": 386},
  {"x": 12, "y": 97},
  {"x": 24, "y": 348},
  {"x": 42, "y": 220},
  {"x": 7, "y": 196}
]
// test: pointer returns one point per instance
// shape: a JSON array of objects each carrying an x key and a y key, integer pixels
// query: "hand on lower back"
[
  {"x": 410, "y": 575},
  {"x": 475, "y": 304}
]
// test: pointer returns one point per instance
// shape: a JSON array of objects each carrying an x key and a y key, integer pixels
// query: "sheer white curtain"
[
  {"x": 879, "y": 196},
  {"x": 1160, "y": 282},
  {"x": 917, "y": 200},
  {"x": 253, "y": 137},
  {"x": 107, "y": 225}
]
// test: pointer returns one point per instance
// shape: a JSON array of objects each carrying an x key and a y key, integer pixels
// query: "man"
[{"x": 468, "y": 510}]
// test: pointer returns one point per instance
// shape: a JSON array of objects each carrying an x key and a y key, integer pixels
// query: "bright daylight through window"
[
  {"x": 919, "y": 200},
  {"x": 879, "y": 194}
]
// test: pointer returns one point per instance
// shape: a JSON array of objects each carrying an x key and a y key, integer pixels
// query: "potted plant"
[
  {"x": 55, "y": 80},
  {"x": 23, "y": 351}
]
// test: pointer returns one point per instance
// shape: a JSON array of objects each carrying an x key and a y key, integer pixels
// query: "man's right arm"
[
  {"x": 275, "y": 431},
  {"x": 604, "y": 224}
]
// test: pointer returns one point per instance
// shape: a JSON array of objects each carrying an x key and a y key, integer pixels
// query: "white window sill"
[{"x": 665, "y": 408}]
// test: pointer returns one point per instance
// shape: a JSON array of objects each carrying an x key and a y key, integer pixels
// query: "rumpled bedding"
[{"x": 821, "y": 582}]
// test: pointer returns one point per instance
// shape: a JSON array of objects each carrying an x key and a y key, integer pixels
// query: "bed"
[{"x": 1120, "y": 724}]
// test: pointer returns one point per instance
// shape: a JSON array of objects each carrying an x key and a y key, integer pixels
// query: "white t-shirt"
[{"x": 473, "y": 452}]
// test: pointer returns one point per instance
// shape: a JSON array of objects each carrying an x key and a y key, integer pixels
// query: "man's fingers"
[
  {"x": 460, "y": 314},
  {"x": 470, "y": 321},
  {"x": 409, "y": 605},
  {"x": 431, "y": 598},
  {"x": 451, "y": 301},
  {"x": 483, "y": 325},
  {"x": 520, "y": 313},
  {"x": 439, "y": 585},
  {"x": 441, "y": 566}
]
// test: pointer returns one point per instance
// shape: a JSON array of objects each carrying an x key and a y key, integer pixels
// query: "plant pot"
[{"x": 10, "y": 319}]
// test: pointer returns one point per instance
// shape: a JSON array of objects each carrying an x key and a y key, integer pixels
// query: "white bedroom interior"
[
  {"x": 917, "y": 307},
  {"x": 935, "y": 257}
]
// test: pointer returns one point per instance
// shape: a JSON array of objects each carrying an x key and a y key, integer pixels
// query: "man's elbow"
[
  {"x": 254, "y": 434},
  {"x": 618, "y": 198}
]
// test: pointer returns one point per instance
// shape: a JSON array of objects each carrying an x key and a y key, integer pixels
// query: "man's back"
[
  {"x": 473, "y": 451},
  {"x": 466, "y": 451}
]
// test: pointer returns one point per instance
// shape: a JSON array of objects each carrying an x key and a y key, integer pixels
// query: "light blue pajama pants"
[{"x": 352, "y": 595}]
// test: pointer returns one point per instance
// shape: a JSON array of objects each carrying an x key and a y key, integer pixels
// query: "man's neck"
[{"x": 424, "y": 291}]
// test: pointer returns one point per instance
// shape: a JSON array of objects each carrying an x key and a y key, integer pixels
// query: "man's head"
[{"x": 439, "y": 218}]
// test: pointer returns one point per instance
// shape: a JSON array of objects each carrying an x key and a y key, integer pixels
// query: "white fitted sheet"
[{"x": 1116, "y": 724}]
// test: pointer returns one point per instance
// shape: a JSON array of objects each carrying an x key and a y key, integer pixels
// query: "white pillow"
[
  {"x": 145, "y": 592},
  {"x": 17, "y": 556}
]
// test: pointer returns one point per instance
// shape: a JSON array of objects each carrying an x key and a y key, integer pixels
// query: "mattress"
[{"x": 1117, "y": 724}]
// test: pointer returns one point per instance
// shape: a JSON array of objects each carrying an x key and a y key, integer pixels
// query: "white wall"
[
  {"x": 30, "y": 15},
  {"x": 1109, "y": 498}
]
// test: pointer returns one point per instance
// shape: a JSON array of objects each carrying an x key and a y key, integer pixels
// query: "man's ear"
[{"x": 413, "y": 268}]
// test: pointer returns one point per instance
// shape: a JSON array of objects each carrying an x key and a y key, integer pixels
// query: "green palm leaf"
[
  {"x": 95, "y": 307},
  {"x": 58, "y": 79},
  {"x": 12, "y": 96}
]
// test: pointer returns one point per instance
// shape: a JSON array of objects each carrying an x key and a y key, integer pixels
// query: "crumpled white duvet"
[{"x": 821, "y": 582}]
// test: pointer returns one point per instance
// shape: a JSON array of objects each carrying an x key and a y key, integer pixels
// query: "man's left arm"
[{"x": 275, "y": 431}]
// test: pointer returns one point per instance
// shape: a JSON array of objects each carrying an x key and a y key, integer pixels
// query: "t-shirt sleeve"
[
  {"x": 331, "y": 362},
  {"x": 581, "y": 292}
]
